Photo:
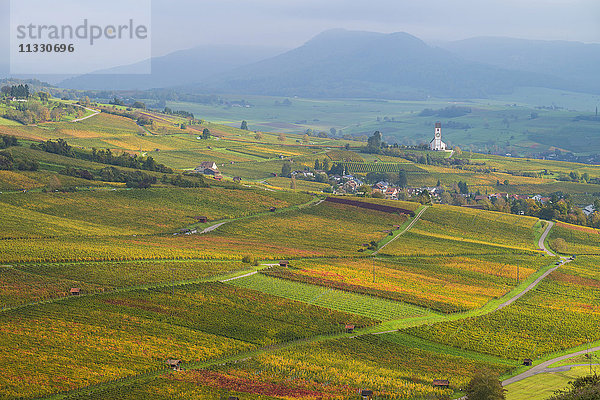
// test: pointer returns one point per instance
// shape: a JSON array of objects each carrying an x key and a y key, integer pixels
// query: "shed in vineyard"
[
  {"x": 441, "y": 383},
  {"x": 174, "y": 364}
]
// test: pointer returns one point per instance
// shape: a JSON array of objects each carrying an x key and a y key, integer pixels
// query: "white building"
[
  {"x": 589, "y": 210},
  {"x": 437, "y": 144}
]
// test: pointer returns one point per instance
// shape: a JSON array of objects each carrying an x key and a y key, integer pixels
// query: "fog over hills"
[
  {"x": 574, "y": 62},
  {"x": 178, "y": 68}
]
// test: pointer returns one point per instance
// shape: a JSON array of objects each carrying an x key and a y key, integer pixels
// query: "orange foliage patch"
[
  {"x": 578, "y": 228},
  {"x": 292, "y": 389},
  {"x": 575, "y": 280}
]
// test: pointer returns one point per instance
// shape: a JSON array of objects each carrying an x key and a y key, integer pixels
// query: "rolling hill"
[
  {"x": 340, "y": 63},
  {"x": 178, "y": 68},
  {"x": 572, "y": 62}
]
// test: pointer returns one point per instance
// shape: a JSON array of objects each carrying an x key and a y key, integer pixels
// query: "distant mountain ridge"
[
  {"x": 178, "y": 68},
  {"x": 573, "y": 62},
  {"x": 340, "y": 63}
]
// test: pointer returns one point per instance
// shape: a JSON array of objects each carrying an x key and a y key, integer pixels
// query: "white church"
[{"x": 437, "y": 144}]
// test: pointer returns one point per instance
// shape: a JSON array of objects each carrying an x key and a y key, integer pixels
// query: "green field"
[
  {"x": 542, "y": 386},
  {"x": 502, "y": 122},
  {"x": 372, "y": 307}
]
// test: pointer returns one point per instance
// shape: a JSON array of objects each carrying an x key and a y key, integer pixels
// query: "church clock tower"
[{"x": 436, "y": 144}]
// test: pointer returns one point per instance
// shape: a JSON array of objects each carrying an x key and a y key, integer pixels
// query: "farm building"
[
  {"x": 528, "y": 362},
  {"x": 349, "y": 328},
  {"x": 201, "y": 219},
  {"x": 206, "y": 165},
  {"x": 75, "y": 291},
  {"x": 441, "y": 383},
  {"x": 273, "y": 209},
  {"x": 174, "y": 364},
  {"x": 284, "y": 263}
]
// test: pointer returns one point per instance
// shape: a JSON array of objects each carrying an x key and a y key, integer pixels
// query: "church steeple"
[{"x": 437, "y": 144}]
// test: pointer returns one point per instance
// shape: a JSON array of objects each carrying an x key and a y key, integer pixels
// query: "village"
[{"x": 395, "y": 186}]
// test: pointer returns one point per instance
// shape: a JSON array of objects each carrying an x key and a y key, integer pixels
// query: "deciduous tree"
[{"x": 485, "y": 386}]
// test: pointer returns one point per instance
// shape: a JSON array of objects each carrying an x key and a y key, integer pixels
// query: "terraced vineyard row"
[
  {"x": 363, "y": 167},
  {"x": 70, "y": 344},
  {"x": 354, "y": 303},
  {"x": 561, "y": 313}
]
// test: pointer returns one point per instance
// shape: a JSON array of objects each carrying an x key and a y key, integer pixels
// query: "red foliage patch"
[
  {"x": 136, "y": 304},
  {"x": 579, "y": 228},
  {"x": 292, "y": 389},
  {"x": 575, "y": 280}
]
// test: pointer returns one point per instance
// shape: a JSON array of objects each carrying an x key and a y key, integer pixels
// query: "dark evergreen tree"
[{"x": 402, "y": 179}]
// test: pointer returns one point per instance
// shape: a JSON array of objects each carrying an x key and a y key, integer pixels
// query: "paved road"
[
  {"x": 241, "y": 276},
  {"x": 542, "y": 246},
  {"x": 414, "y": 221},
  {"x": 213, "y": 227},
  {"x": 89, "y": 116},
  {"x": 541, "y": 243},
  {"x": 543, "y": 367}
]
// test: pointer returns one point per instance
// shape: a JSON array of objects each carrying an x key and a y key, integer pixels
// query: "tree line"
[
  {"x": 17, "y": 91},
  {"x": 61, "y": 147},
  {"x": 134, "y": 179}
]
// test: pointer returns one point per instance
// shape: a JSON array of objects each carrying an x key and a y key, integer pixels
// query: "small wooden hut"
[
  {"x": 441, "y": 383},
  {"x": 174, "y": 364}
]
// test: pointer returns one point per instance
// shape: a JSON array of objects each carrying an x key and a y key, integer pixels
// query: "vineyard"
[
  {"x": 527, "y": 329},
  {"x": 106, "y": 213},
  {"x": 586, "y": 268},
  {"x": 166, "y": 386},
  {"x": 325, "y": 229},
  {"x": 69, "y": 344},
  {"x": 416, "y": 244},
  {"x": 391, "y": 369},
  {"x": 33, "y": 282},
  {"x": 154, "y": 285},
  {"x": 445, "y": 284},
  {"x": 363, "y": 167},
  {"x": 485, "y": 227},
  {"x": 354, "y": 303},
  {"x": 577, "y": 240}
]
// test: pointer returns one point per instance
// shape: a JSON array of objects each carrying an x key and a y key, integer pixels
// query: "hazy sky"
[
  {"x": 289, "y": 23},
  {"x": 179, "y": 24}
]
